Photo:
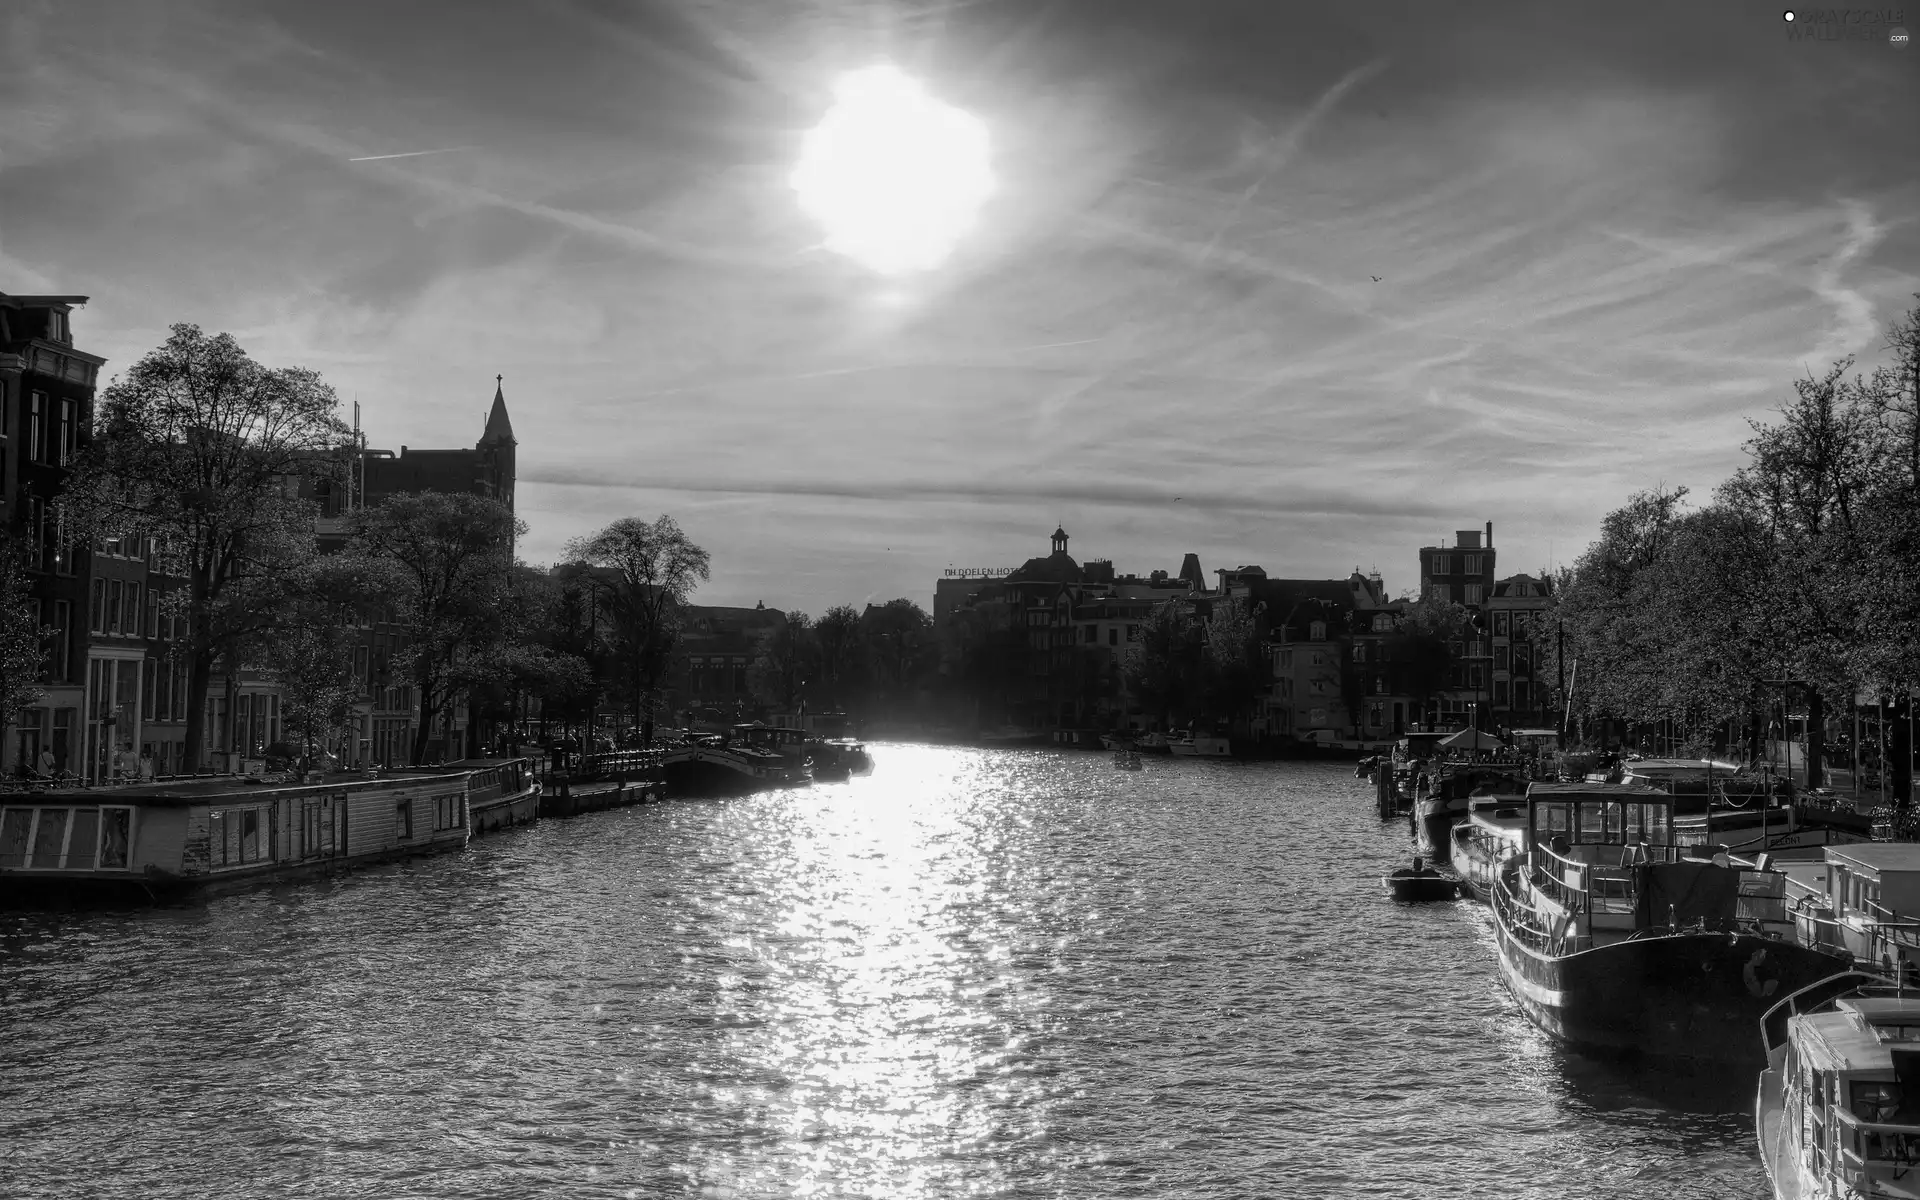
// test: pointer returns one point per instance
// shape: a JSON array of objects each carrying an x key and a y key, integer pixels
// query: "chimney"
[{"x": 1489, "y": 535}]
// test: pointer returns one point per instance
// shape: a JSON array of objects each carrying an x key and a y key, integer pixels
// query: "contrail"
[{"x": 409, "y": 154}]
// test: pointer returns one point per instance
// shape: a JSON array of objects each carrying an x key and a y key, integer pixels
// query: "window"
[
  {"x": 1113, "y": 635},
  {"x": 320, "y": 819},
  {"x": 73, "y": 839},
  {"x": 403, "y": 819},
  {"x": 1520, "y": 694},
  {"x": 1375, "y": 716},
  {"x": 1472, "y": 564},
  {"x": 1382, "y": 623},
  {"x": 36, "y": 448},
  {"x": 1499, "y": 658},
  {"x": 98, "y": 624},
  {"x": 1359, "y": 652},
  {"x": 1500, "y": 692},
  {"x": 1317, "y": 631},
  {"x": 1459, "y": 649},
  {"x": 60, "y": 651},
  {"x": 116, "y": 603},
  {"x": 131, "y": 622},
  {"x": 1474, "y": 593},
  {"x": 1439, "y": 591},
  {"x": 63, "y": 550},
  {"x": 448, "y": 811},
  {"x": 69, "y": 431},
  {"x": 1523, "y": 659},
  {"x": 1500, "y": 623},
  {"x": 239, "y": 837},
  {"x": 33, "y": 516},
  {"x": 1473, "y": 676},
  {"x": 1442, "y": 564},
  {"x": 153, "y": 614},
  {"x": 1379, "y": 685},
  {"x": 147, "y": 695}
]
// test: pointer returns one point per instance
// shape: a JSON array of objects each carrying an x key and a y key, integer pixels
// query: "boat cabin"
[
  {"x": 1851, "y": 1086},
  {"x": 1604, "y": 862},
  {"x": 1867, "y": 904}
]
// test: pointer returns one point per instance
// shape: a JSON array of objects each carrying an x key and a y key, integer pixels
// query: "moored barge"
[
  {"x": 1616, "y": 940},
  {"x": 195, "y": 836}
]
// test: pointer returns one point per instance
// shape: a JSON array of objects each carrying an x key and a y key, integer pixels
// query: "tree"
[
  {"x": 842, "y": 652},
  {"x": 898, "y": 644},
  {"x": 1236, "y": 662},
  {"x": 646, "y": 572},
  {"x": 1422, "y": 645},
  {"x": 203, "y": 449},
  {"x": 22, "y": 639},
  {"x": 444, "y": 564},
  {"x": 1808, "y": 484},
  {"x": 1165, "y": 676},
  {"x": 793, "y": 659}
]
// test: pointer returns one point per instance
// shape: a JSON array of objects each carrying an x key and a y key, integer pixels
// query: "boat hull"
[
  {"x": 1686, "y": 997},
  {"x": 1420, "y": 889}
]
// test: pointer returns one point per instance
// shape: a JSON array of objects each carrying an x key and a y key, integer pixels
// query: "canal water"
[{"x": 972, "y": 973}]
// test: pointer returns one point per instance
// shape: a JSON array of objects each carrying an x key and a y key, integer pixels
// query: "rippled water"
[{"x": 1018, "y": 973}]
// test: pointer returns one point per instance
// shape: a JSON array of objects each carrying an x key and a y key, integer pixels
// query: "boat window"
[
  {"x": 1614, "y": 830},
  {"x": 1875, "y": 1101},
  {"x": 1550, "y": 818},
  {"x": 84, "y": 844},
  {"x": 1591, "y": 820},
  {"x": 1656, "y": 822},
  {"x": 50, "y": 839},
  {"x": 14, "y": 825},
  {"x": 116, "y": 826},
  {"x": 1903, "y": 1148}
]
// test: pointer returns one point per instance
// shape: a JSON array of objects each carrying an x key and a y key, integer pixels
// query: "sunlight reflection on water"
[{"x": 1016, "y": 973}]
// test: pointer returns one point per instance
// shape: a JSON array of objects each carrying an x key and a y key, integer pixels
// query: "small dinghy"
[{"x": 1420, "y": 883}]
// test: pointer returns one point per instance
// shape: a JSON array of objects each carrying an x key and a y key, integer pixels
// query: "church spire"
[{"x": 499, "y": 428}]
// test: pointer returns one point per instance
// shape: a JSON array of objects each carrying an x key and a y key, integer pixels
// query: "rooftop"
[{"x": 1878, "y": 856}]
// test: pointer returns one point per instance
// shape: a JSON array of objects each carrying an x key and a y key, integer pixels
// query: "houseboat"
[
  {"x": 1200, "y": 745},
  {"x": 748, "y": 758},
  {"x": 196, "y": 836},
  {"x": 501, "y": 793},
  {"x": 1748, "y": 812},
  {"x": 835, "y": 760},
  {"x": 1616, "y": 939},
  {"x": 1446, "y": 796},
  {"x": 1837, "y": 1113},
  {"x": 1494, "y": 832},
  {"x": 1861, "y": 902}
]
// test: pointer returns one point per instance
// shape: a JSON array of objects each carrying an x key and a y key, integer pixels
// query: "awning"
[{"x": 1473, "y": 739}]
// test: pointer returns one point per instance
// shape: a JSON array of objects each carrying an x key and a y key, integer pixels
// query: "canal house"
[{"x": 213, "y": 834}]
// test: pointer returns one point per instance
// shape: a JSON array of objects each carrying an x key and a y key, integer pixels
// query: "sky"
[{"x": 1607, "y": 236}]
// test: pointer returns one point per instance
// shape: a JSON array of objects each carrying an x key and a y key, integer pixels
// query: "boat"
[
  {"x": 1748, "y": 812},
  {"x": 748, "y": 758},
  {"x": 1837, "y": 1110},
  {"x": 1421, "y": 883},
  {"x": 835, "y": 760},
  {"x": 1614, "y": 939},
  {"x": 1200, "y": 745},
  {"x": 199, "y": 836},
  {"x": 1444, "y": 801},
  {"x": 1011, "y": 736},
  {"x": 502, "y": 793},
  {"x": 1127, "y": 760},
  {"x": 1116, "y": 741},
  {"x": 1153, "y": 743},
  {"x": 1495, "y": 830}
]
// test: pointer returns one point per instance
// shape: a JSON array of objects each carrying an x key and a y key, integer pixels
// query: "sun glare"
[{"x": 893, "y": 175}]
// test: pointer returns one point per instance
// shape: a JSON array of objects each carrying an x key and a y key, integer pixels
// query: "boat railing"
[
  {"x": 1773, "y": 1022},
  {"x": 1864, "y": 1144}
]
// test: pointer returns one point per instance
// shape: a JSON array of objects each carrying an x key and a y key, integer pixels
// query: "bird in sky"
[
  {"x": 1176, "y": 499},
  {"x": 1376, "y": 279}
]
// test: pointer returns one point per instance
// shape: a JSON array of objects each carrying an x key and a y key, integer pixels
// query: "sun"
[{"x": 894, "y": 176}]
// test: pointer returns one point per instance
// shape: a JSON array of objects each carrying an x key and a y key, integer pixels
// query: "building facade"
[{"x": 46, "y": 411}]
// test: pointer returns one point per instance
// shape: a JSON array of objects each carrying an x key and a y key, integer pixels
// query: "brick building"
[{"x": 46, "y": 409}]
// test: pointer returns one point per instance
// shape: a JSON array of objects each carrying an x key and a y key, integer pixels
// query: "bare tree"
[
  {"x": 444, "y": 564},
  {"x": 202, "y": 448},
  {"x": 646, "y": 571}
]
